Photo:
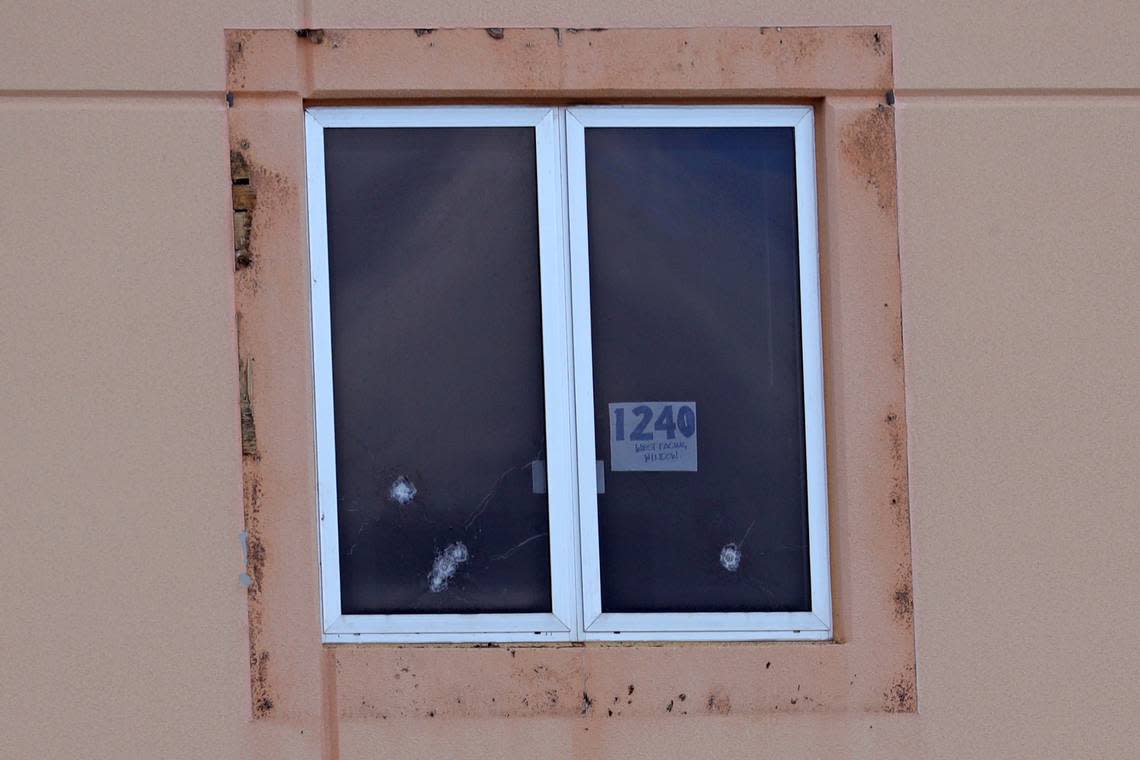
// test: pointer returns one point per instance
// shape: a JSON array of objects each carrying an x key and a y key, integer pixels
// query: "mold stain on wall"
[
  {"x": 236, "y": 42},
  {"x": 901, "y": 696},
  {"x": 260, "y": 694},
  {"x": 868, "y": 144}
]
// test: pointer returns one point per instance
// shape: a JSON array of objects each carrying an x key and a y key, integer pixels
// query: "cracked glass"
[{"x": 437, "y": 370}]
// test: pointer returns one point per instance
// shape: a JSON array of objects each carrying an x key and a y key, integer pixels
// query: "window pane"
[
  {"x": 694, "y": 284},
  {"x": 437, "y": 370}
]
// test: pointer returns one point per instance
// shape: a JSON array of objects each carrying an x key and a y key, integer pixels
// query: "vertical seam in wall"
[
  {"x": 305, "y": 11},
  {"x": 330, "y": 720},
  {"x": 902, "y": 365}
]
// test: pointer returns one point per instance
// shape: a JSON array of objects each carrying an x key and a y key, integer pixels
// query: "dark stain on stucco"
[
  {"x": 900, "y": 697},
  {"x": 718, "y": 703},
  {"x": 878, "y": 44},
  {"x": 904, "y": 601},
  {"x": 235, "y": 54},
  {"x": 315, "y": 36},
  {"x": 260, "y": 692},
  {"x": 868, "y": 144}
]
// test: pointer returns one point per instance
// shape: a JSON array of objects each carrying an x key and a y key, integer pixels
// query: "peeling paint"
[
  {"x": 260, "y": 198},
  {"x": 258, "y": 195},
  {"x": 245, "y": 578},
  {"x": 248, "y": 430},
  {"x": 244, "y": 201}
]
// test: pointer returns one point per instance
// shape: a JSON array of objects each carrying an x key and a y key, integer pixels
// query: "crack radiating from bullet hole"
[
  {"x": 486, "y": 500},
  {"x": 519, "y": 545}
]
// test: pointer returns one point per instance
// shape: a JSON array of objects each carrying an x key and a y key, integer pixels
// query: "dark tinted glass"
[
  {"x": 437, "y": 369},
  {"x": 695, "y": 300}
]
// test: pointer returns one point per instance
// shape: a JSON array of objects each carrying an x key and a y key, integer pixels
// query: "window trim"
[
  {"x": 562, "y": 622},
  {"x": 568, "y": 386}
]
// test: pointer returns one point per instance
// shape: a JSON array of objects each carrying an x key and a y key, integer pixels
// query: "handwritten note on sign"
[{"x": 653, "y": 436}]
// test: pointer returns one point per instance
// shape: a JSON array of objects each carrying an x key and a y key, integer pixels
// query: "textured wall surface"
[{"x": 124, "y": 625}]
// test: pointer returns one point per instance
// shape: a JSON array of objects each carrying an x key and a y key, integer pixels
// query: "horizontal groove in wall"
[
  {"x": 218, "y": 96},
  {"x": 149, "y": 97},
  {"x": 1015, "y": 92}
]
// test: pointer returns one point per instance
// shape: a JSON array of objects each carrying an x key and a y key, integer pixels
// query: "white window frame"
[
  {"x": 815, "y": 624},
  {"x": 568, "y": 379},
  {"x": 562, "y": 623}
]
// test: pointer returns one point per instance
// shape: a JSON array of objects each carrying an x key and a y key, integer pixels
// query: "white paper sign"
[{"x": 653, "y": 436}]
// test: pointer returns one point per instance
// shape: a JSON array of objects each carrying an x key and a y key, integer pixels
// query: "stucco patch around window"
[{"x": 505, "y": 529}]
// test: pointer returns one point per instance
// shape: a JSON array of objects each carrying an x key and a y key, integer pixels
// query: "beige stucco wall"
[{"x": 123, "y": 625}]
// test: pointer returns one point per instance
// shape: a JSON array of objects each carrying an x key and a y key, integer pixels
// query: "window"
[{"x": 575, "y": 356}]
